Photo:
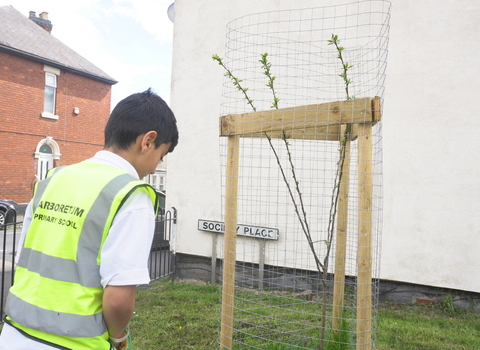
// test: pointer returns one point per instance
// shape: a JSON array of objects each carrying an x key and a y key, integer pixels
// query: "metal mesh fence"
[{"x": 302, "y": 175}]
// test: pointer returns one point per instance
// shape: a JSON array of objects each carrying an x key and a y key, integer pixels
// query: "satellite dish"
[{"x": 171, "y": 11}]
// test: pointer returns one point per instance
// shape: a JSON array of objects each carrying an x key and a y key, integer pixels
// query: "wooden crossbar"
[{"x": 309, "y": 122}]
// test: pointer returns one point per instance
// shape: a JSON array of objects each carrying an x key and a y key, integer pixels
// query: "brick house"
[{"x": 54, "y": 104}]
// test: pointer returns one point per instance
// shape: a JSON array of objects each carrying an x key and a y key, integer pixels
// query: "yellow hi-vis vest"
[{"x": 56, "y": 297}]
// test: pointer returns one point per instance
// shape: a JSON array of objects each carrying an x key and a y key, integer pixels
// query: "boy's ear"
[{"x": 148, "y": 140}]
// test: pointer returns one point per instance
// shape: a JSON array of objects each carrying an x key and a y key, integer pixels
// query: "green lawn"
[{"x": 186, "y": 316}]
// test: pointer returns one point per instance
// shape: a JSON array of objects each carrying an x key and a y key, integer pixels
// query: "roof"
[{"x": 21, "y": 36}]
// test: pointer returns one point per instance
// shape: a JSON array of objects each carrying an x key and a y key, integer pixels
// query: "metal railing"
[
  {"x": 9, "y": 236},
  {"x": 162, "y": 254}
]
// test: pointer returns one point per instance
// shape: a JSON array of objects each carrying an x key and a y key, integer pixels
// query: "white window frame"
[
  {"x": 158, "y": 180},
  {"x": 51, "y": 75}
]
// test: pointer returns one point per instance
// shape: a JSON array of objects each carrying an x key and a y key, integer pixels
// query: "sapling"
[
  {"x": 266, "y": 70},
  {"x": 235, "y": 81},
  {"x": 345, "y": 66},
  {"x": 322, "y": 267},
  {"x": 302, "y": 217}
]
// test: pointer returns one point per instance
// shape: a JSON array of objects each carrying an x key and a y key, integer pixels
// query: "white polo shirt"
[{"x": 124, "y": 254}]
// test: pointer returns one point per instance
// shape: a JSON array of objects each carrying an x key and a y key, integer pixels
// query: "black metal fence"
[
  {"x": 9, "y": 237},
  {"x": 161, "y": 260},
  {"x": 162, "y": 255}
]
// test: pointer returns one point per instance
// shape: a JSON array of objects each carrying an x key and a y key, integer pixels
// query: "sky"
[{"x": 130, "y": 40}]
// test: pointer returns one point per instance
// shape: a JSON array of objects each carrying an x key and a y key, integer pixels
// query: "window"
[
  {"x": 50, "y": 92},
  {"x": 50, "y": 97},
  {"x": 157, "y": 180}
]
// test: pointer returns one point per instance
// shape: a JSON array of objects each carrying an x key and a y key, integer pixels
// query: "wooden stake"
[
  {"x": 341, "y": 236},
  {"x": 364, "y": 260},
  {"x": 230, "y": 242}
]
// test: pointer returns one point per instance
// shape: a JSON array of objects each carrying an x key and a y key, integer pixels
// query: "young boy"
[{"x": 86, "y": 238}]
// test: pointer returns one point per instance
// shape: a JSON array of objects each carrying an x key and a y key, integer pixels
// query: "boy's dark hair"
[{"x": 138, "y": 114}]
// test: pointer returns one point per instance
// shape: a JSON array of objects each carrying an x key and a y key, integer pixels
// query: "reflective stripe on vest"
[{"x": 75, "y": 275}]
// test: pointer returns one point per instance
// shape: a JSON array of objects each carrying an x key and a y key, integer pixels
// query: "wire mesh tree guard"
[{"x": 302, "y": 177}]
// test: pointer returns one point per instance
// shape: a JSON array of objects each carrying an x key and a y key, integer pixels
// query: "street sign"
[{"x": 242, "y": 230}]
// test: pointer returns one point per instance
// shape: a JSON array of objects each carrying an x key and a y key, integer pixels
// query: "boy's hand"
[{"x": 124, "y": 344}]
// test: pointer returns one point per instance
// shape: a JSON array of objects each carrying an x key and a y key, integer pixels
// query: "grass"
[
  {"x": 186, "y": 316},
  {"x": 176, "y": 316},
  {"x": 426, "y": 327}
]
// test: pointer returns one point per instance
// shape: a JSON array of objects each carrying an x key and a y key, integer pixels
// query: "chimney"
[{"x": 42, "y": 21}]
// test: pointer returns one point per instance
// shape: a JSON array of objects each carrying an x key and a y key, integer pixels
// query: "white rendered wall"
[
  {"x": 431, "y": 169},
  {"x": 431, "y": 219}
]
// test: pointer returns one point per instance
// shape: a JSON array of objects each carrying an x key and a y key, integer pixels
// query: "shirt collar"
[{"x": 110, "y": 158}]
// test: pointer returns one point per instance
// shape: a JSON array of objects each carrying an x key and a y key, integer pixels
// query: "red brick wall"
[{"x": 22, "y": 84}]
